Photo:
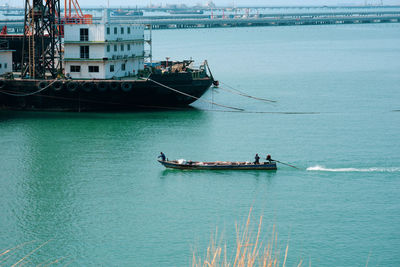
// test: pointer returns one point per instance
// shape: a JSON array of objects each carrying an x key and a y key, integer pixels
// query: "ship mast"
[{"x": 41, "y": 53}]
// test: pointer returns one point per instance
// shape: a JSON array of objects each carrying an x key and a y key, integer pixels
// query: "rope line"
[
  {"x": 28, "y": 94},
  {"x": 197, "y": 98},
  {"x": 236, "y": 91},
  {"x": 177, "y": 108},
  {"x": 268, "y": 112}
]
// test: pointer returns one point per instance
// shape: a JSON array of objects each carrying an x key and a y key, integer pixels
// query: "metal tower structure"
[{"x": 41, "y": 55}]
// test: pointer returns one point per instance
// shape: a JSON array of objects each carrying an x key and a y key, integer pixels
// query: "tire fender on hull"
[
  {"x": 87, "y": 86},
  {"x": 126, "y": 87},
  {"x": 102, "y": 86},
  {"x": 57, "y": 86},
  {"x": 114, "y": 86},
  {"x": 72, "y": 86},
  {"x": 42, "y": 85}
]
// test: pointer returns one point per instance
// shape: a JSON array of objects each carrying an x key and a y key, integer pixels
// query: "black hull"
[
  {"x": 267, "y": 166},
  {"x": 102, "y": 95}
]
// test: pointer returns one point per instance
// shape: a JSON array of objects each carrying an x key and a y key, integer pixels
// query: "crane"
[{"x": 43, "y": 31}]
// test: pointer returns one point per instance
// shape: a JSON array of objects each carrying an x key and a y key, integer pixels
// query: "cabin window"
[
  {"x": 85, "y": 51},
  {"x": 84, "y": 33},
  {"x": 115, "y": 30},
  {"x": 75, "y": 68},
  {"x": 123, "y": 66},
  {"x": 108, "y": 30},
  {"x": 122, "y": 30},
  {"x": 129, "y": 30},
  {"x": 108, "y": 48},
  {"x": 93, "y": 68},
  {"x": 111, "y": 68},
  {"x": 122, "y": 47}
]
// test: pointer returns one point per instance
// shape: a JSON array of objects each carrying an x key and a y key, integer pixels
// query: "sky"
[
  {"x": 132, "y": 3},
  {"x": 237, "y": 2}
]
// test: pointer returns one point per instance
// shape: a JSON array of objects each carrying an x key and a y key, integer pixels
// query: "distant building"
[
  {"x": 5, "y": 61},
  {"x": 103, "y": 50}
]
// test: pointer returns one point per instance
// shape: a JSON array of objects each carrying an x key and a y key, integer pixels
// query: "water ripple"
[{"x": 372, "y": 169}]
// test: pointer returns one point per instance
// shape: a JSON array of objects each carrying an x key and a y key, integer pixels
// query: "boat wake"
[{"x": 373, "y": 169}]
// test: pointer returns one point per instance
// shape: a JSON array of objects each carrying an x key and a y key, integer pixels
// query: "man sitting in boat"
[
  {"x": 269, "y": 158},
  {"x": 257, "y": 159},
  {"x": 162, "y": 156}
]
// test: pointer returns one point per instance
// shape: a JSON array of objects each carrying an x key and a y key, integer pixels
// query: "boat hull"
[
  {"x": 264, "y": 166},
  {"x": 93, "y": 95}
]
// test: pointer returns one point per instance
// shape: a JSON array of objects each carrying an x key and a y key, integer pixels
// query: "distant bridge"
[
  {"x": 220, "y": 8},
  {"x": 271, "y": 19}
]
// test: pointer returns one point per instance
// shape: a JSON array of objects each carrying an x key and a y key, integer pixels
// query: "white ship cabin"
[
  {"x": 5, "y": 61},
  {"x": 103, "y": 50}
]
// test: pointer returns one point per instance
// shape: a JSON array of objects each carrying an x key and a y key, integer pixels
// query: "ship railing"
[{"x": 86, "y": 19}]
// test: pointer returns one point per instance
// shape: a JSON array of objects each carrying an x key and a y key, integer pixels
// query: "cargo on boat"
[
  {"x": 218, "y": 165},
  {"x": 88, "y": 66}
]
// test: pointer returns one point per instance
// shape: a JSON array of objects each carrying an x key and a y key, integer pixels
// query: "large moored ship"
[{"x": 95, "y": 66}]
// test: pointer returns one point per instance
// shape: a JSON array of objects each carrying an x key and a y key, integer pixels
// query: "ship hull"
[{"x": 160, "y": 91}]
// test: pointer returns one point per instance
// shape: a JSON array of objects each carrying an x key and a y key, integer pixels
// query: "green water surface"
[{"x": 89, "y": 183}]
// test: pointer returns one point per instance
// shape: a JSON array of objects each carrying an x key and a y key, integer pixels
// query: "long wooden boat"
[{"x": 217, "y": 165}]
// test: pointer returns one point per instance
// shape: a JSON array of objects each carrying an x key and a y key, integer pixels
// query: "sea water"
[{"x": 85, "y": 189}]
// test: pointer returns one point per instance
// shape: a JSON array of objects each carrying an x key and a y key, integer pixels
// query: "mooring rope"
[
  {"x": 238, "y": 92},
  {"x": 267, "y": 112},
  {"x": 28, "y": 94},
  {"x": 197, "y": 98}
]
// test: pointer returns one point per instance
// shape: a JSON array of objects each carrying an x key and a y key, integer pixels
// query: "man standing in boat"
[
  {"x": 257, "y": 159},
  {"x": 162, "y": 156}
]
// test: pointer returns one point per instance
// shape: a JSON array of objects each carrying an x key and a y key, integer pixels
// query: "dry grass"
[
  {"x": 251, "y": 250},
  {"x": 21, "y": 255}
]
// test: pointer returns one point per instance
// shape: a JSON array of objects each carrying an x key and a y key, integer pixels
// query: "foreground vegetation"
[{"x": 250, "y": 250}]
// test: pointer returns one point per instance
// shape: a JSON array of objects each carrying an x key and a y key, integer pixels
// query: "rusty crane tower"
[{"x": 41, "y": 53}]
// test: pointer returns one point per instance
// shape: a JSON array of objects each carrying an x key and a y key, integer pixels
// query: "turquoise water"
[{"x": 89, "y": 184}]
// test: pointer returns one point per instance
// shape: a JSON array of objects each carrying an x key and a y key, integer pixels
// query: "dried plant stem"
[
  {"x": 249, "y": 252},
  {"x": 30, "y": 253}
]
